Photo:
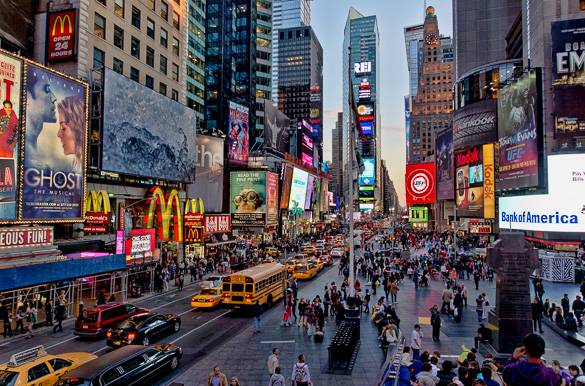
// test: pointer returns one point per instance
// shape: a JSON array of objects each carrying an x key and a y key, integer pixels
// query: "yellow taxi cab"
[
  {"x": 35, "y": 367},
  {"x": 310, "y": 250},
  {"x": 290, "y": 265},
  {"x": 318, "y": 263},
  {"x": 304, "y": 271},
  {"x": 207, "y": 298},
  {"x": 272, "y": 252}
]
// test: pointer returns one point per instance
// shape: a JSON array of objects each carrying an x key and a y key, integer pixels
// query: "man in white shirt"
[
  {"x": 416, "y": 342},
  {"x": 273, "y": 361}
]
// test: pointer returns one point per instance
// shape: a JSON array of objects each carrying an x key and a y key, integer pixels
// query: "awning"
[
  {"x": 552, "y": 242},
  {"x": 220, "y": 243}
]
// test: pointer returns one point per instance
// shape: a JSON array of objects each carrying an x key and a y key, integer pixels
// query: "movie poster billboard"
[
  {"x": 445, "y": 167},
  {"x": 248, "y": 198},
  {"x": 286, "y": 185},
  {"x": 519, "y": 133},
  {"x": 568, "y": 82},
  {"x": 271, "y": 198},
  {"x": 10, "y": 118},
  {"x": 298, "y": 190},
  {"x": 238, "y": 133},
  {"x": 277, "y": 129},
  {"x": 55, "y": 146},
  {"x": 208, "y": 172}
]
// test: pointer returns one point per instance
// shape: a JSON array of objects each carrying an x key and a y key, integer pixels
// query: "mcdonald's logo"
[
  {"x": 166, "y": 207},
  {"x": 194, "y": 235},
  {"x": 62, "y": 21},
  {"x": 97, "y": 202},
  {"x": 194, "y": 205}
]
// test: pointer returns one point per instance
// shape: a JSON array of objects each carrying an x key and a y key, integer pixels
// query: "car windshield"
[
  {"x": 89, "y": 316},
  {"x": 302, "y": 268},
  {"x": 7, "y": 378},
  {"x": 207, "y": 291}
]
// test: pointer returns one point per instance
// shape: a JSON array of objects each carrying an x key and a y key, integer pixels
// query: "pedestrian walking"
[
  {"x": 6, "y": 320},
  {"x": 479, "y": 308},
  {"x": 537, "y": 309},
  {"x": 436, "y": 323},
  {"x": 257, "y": 310},
  {"x": 416, "y": 342},
  {"x": 394, "y": 291},
  {"x": 59, "y": 315},
  {"x": 272, "y": 362},
  {"x": 217, "y": 378},
  {"x": 20, "y": 315},
  {"x": 276, "y": 379},
  {"x": 181, "y": 280},
  {"x": 300, "y": 373},
  {"x": 234, "y": 381},
  {"x": 48, "y": 313}
]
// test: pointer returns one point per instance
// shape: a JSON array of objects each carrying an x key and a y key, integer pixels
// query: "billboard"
[
  {"x": 53, "y": 187},
  {"x": 519, "y": 133},
  {"x": 277, "y": 129},
  {"x": 475, "y": 182},
  {"x": 238, "y": 133},
  {"x": 306, "y": 143},
  {"x": 366, "y": 193},
  {"x": 248, "y": 198},
  {"x": 140, "y": 246},
  {"x": 331, "y": 199},
  {"x": 298, "y": 189},
  {"x": 420, "y": 184},
  {"x": 368, "y": 176},
  {"x": 208, "y": 172},
  {"x": 61, "y": 36},
  {"x": 445, "y": 167},
  {"x": 286, "y": 184},
  {"x": 418, "y": 214},
  {"x": 309, "y": 194},
  {"x": 193, "y": 228},
  {"x": 10, "y": 120},
  {"x": 561, "y": 210},
  {"x": 475, "y": 124},
  {"x": 145, "y": 141},
  {"x": 25, "y": 237},
  {"x": 271, "y": 198},
  {"x": 218, "y": 223}
]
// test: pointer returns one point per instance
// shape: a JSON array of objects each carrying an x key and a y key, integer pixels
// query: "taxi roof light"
[{"x": 27, "y": 356}]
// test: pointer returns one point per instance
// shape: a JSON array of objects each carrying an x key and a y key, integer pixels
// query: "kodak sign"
[{"x": 61, "y": 35}]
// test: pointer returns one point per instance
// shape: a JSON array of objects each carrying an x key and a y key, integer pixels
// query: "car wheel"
[
  {"x": 176, "y": 327},
  {"x": 174, "y": 363},
  {"x": 146, "y": 341}
]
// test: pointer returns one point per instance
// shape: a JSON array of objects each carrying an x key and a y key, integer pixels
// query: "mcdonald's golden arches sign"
[{"x": 61, "y": 35}]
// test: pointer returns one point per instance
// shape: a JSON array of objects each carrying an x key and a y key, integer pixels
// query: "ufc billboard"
[{"x": 61, "y": 36}]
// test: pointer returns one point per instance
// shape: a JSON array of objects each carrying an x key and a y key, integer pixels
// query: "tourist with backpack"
[{"x": 300, "y": 373}]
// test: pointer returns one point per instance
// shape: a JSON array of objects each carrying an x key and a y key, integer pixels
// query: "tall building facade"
[
  {"x": 300, "y": 81},
  {"x": 195, "y": 63},
  {"x": 337, "y": 156},
  {"x": 286, "y": 14},
  {"x": 432, "y": 105},
  {"x": 263, "y": 73},
  {"x": 361, "y": 75},
  {"x": 18, "y": 27},
  {"x": 413, "y": 38},
  {"x": 230, "y": 61}
]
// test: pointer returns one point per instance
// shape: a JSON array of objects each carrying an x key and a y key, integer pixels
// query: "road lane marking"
[
  {"x": 186, "y": 312},
  {"x": 60, "y": 343},
  {"x": 197, "y": 328},
  {"x": 101, "y": 349},
  {"x": 174, "y": 301},
  {"x": 276, "y": 341}
]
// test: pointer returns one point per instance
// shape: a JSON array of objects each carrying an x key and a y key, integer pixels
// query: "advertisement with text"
[
  {"x": 445, "y": 167},
  {"x": 475, "y": 182},
  {"x": 208, "y": 172},
  {"x": 420, "y": 184},
  {"x": 61, "y": 35},
  {"x": 248, "y": 198},
  {"x": 238, "y": 133},
  {"x": 271, "y": 198},
  {"x": 475, "y": 124},
  {"x": 298, "y": 190}
]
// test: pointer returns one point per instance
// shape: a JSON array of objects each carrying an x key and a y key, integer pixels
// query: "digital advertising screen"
[
  {"x": 368, "y": 177},
  {"x": 366, "y": 193},
  {"x": 248, "y": 198},
  {"x": 417, "y": 214},
  {"x": 238, "y": 133},
  {"x": 208, "y": 172},
  {"x": 475, "y": 182},
  {"x": 298, "y": 189},
  {"x": 271, "y": 198},
  {"x": 306, "y": 143},
  {"x": 53, "y": 187},
  {"x": 445, "y": 166},
  {"x": 420, "y": 184},
  {"x": 286, "y": 185},
  {"x": 277, "y": 129},
  {"x": 367, "y": 128},
  {"x": 309, "y": 195}
]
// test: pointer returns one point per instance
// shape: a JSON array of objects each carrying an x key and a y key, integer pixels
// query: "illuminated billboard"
[
  {"x": 420, "y": 184},
  {"x": 362, "y": 68},
  {"x": 306, "y": 143},
  {"x": 61, "y": 35},
  {"x": 248, "y": 198},
  {"x": 208, "y": 172},
  {"x": 368, "y": 177},
  {"x": 418, "y": 214},
  {"x": 475, "y": 124},
  {"x": 286, "y": 184},
  {"x": 445, "y": 167},
  {"x": 277, "y": 129},
  {"x": 238, "y": 133},
  {"x": 298, "y": 189},
  {"x": 475, "y": 182},
  {"x": 309, "y": 195}
]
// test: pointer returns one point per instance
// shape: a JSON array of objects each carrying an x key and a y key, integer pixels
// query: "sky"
[{"x": 328, "y": 19}]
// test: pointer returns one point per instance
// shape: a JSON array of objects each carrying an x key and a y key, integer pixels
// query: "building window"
[
  {"x": 135, "y": 48},
  {"x": 99, "y": 26},
  {"x": 176, "y": 46},
  {"x": 119, "y": 8},
  {"x": 135, "y": 17},
  {"x": 163, "y": 64},
  {"x": 176, "y": 20},
  {"x": 103, "y": 2},
  {"x": 164, "y": 10},
  {"x": 149, "y": 82},
  {"x": 175, "y": 74},
  {"x": 150, "y": 4},
  {"x": 175, "y": 95},
  {"x": 118, "y": 66},
  {"x": 134, "y": 74},
  {"x": 99, "y": 58},
  {"x": 164, "y": 38},
  {"x": 150, "y": 56},
  {"x": 150, "y": 27},
  {"x": 118, "y": 37},
  {"x": 162, "y": 88},
  {"x": 582, "y": 5}
]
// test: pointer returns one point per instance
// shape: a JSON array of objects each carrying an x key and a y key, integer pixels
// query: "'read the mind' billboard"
[
  {"x": 420, "y": 184},
  {"x": 519, "y": 133},
  {"x": 10, "y": 120},
  {"x": 55, "y": 146},
  {"x": 248, "y": 198},
  {"x": 238, "y": 136},
  {"x": 445, "y": 166}
]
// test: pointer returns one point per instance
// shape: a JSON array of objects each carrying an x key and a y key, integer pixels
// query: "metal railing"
[{"x": 391, "y": 367}]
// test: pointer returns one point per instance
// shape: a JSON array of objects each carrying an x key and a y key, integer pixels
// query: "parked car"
[
  {"x": 94, "y": 322},
  {"x": 35, "y": 367},
  {"x": 128, "y": 366},
  {"x": 143, "y": 329}
]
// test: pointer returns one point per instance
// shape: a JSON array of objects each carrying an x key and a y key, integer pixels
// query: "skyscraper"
[
  {"x": 360, "y": 73},
  {"x": 413, "y": 37},
  {"x": 263, "y": 72},
  {"x": 195, "y": 59},
  {"x": 286, "y": 14},
  {"x": 337, "y": 156}
]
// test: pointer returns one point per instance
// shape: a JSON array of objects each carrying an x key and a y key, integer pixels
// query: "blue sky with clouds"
[{"x": 328, "y": 18}]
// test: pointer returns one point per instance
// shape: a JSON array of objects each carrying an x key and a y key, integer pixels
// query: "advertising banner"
[
  {"x": 55, "y": 146},
  {"x": 208, "y": 172},
  {"x": 61, "y": 35},
  {"x": 469, "y": 182},
  {"x": 331, "y": 199},
  {"x": 238, "y": 133},
  {"x": 366, "y": 193},
  {"x": 140, "y": 246},
  {"x": 298, "y": 190},
  {"x": 193, "y": 227},
  {"x": 420, "y": 184},
  {"x": 445, "y": 167},
  {"x": 26, "y": 237},
  {"x": 218, "y": 223},
  {"x": 277, "y": 129},
  {"x": 248, "y": 198},
  {"x": 309, "y": 195},
  {"x": 306, "y": 143},
  {"x": 418, "y": 214},
  {"x": 368, "y": 176},
  {"x": 568, "y": 80},
  {"x": 286, "y": 184},
  {"x": 475, "y": 124},
  {"x": 271, "y": 198},
  {"x": 519, "y": 133},
  {"x": 10, "y": 118},
  {"x": 480, "y": 227},
  {"x": 162, "y": 139},
  {"x": 96, "y": 222},
  {"x": 561, "y": 210},
  {"x": 489, "y": 181}
]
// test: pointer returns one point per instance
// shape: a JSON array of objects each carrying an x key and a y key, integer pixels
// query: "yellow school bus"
[{"x": 265, "y": 283}]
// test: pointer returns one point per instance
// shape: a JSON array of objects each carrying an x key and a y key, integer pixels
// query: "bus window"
[
  {"x": 226, "y": 287},
  {"x": 237, "y": 287},
  {"x": 249, "y": 287}
]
